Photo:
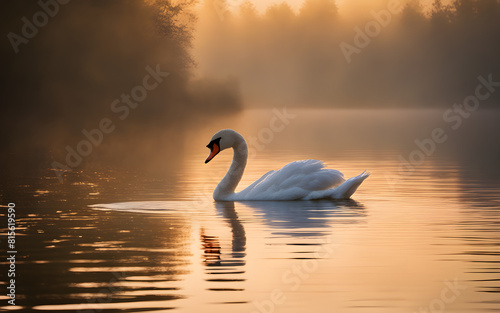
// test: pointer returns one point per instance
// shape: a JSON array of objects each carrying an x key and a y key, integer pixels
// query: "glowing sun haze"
[{"x": 347, "y": 7}]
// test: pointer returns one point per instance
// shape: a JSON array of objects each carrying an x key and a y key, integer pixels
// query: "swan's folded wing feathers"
[
  {"x": 306, "y": 180},
  {"x": 324, "y": 179},
  {"x": 297, "y": 178},
  {"x": 256, "y": 185},
  {"x": 308, "y": 175}
]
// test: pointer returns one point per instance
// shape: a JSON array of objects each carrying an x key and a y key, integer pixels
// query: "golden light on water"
[
  {"x": 358, "y": 259},
  {"x": 124, "y": 218}
]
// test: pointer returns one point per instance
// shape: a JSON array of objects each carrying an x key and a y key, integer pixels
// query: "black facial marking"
[{"x": 215, "y": 141}]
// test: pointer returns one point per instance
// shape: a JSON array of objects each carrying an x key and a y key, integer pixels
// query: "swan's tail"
[{"x": 344, "y": 191}]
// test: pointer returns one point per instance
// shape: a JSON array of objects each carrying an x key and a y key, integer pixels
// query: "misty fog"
[
  {"x": 390, "y": 53},
  {"x": 218, "y": 59}
]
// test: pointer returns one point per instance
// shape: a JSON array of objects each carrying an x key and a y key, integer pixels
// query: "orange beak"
[{"x": 214, "y": 149}]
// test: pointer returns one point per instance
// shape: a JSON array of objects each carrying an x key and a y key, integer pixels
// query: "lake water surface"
[{"x": 425, "y": 240}]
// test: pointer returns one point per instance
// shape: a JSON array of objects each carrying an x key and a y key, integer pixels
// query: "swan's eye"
[{"x": 216, "y": 141}]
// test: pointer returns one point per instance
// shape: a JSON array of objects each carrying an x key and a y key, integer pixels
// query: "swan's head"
[{"x": 222, "y": 139}]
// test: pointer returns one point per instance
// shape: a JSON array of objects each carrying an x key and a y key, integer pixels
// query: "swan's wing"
[
  {"x": 308, "y": 175},
  {"x": 293, "y": 181},
  {"x": 344, "y": 191},
  {"x": 258, "y": 181}
]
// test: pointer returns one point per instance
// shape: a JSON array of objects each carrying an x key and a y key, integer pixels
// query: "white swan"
[{"x": 299, "y": 180}]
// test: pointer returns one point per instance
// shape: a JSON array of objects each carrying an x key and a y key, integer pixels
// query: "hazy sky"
[{"x": 345, "y": 6}]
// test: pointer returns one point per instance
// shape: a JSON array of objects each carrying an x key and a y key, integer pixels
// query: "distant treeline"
[
  {"x": 400, "y": 55},
  {"x": 66, "y": 66}
]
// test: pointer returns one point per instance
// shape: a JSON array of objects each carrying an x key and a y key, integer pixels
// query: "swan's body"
[{"x": 299, "y": 180}]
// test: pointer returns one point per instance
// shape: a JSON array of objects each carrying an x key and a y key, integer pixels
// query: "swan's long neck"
[{"x": 228, "y": 184}]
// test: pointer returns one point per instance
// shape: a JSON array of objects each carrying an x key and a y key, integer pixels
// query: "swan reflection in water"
[
  {"x": 211, "y": 245},
  {"x": 306, "y": 218},
  {"x": 288, "y": 218},
  {"x": 291, "y": 230}
]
